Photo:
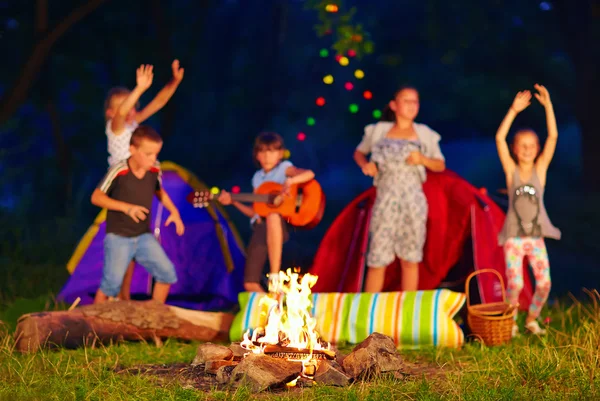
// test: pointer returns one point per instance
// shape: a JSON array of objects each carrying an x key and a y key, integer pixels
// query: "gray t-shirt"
[{"x": 526, "y": 215}]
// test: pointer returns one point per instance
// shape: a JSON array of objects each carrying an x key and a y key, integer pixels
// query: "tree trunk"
[
  {"x": 17, "y": 93},
  {"x": 118, "y": 321},
  {"x": 63, "y": 153}
]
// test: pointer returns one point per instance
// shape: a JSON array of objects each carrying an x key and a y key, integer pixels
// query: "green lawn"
[{"x": 563, "y": 365}]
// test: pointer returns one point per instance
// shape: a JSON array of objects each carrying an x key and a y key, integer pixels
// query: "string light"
[
  {"x": 359, "y": 74},
  {"x": 376, "y": 113},
  {"x": 320, "y": 101},
  {"x": 235, "y": 189},
  {"x": 368, "y": 95},
  {"x": 286, "y": 154},
  {"x": 324, "y": 53},
  {"x": 331, "y": 8},
  {"x": 353, "y": 108},
  {"x": 301, "y": 136},
  {"x": 310, "y": 121},
  {"x": 351, "y": 53},
  {"x": 214, "y": 190},
  {"x": 328, "y": 79},
  {"x": 344, "y": 61},
  {"x": 348, "y": 86},
  {"x": 338, "y": 57}
]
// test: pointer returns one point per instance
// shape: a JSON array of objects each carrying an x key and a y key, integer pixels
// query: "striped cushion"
[{"x": 413, "y": 319}]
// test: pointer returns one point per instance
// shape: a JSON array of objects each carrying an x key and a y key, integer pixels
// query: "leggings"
[{"x": 515, "y": 249}]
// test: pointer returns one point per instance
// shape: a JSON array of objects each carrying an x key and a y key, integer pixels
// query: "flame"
[{"x": 285, "y": 316}]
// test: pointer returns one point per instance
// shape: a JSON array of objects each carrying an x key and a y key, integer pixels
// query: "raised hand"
[
  {"x": 542, "y": 96},
  {"x": 137, "y": 213},
  {"x": 370, "y": 169},
  {"x": 179, "y": 227},
  {"x": 414, "y": 158},
  {"x": 177, "y": 72},
  {"x": 522, "y": 101},
  {"x": 144, "y": 76},
  {"x": 224, "y": 198}
]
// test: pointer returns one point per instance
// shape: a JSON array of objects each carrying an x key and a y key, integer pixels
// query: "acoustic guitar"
[{"x": 303, "y": 205}]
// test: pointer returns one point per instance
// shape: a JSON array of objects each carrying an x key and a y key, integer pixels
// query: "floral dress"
[{"x": 399, "y": 217}]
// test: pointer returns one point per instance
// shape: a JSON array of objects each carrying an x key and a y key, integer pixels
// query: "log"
[
  {"x": 118, "y": 321},
  {"x": 279, "y": 351}
]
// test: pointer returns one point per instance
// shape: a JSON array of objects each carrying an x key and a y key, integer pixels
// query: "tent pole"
[
  {"x": 157, "y": 221},
  {"x": 350, "y": 253},
  {"x": 363, "y": 248}
]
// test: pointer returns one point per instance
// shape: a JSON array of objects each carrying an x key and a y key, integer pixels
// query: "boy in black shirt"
[{"x": 126, "y": 192}]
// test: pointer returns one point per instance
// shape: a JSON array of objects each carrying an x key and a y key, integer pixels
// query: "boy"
[
  {"x": 126, "y": 192},
  {"x": 122, "y": 117},
  {"x": 268, "y": 236}
]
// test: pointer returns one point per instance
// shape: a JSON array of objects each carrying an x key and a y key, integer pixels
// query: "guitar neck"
[{"x": 250, "y": 197}]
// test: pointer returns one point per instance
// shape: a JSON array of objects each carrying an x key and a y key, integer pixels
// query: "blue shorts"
[{"x": 119, "y": 251}]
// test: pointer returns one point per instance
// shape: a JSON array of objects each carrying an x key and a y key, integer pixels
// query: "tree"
[{"x": 17, "y": 93}]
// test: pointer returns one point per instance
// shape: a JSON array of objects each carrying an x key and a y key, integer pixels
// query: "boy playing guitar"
[{"x": 269, "y": 233}]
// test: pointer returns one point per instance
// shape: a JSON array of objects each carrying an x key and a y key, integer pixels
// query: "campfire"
[{"x": 287, "y": 329}]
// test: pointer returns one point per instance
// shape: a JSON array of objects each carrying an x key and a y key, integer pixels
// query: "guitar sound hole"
[{"x": 299, "y": 199}]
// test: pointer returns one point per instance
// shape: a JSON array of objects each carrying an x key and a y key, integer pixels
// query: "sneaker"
[
  {"x": 534, "y": 328},
  {"x": 515, "y": 331}
]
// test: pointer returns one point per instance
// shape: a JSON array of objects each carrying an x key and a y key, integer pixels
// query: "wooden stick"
[
  {"x": 317, "y": 353},
  {"x": 75, "y": 303}
]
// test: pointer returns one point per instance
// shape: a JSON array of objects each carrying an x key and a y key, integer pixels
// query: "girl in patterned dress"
[
  {"x": 527, "y": 222},
  {"x": 401, "y": 150}
]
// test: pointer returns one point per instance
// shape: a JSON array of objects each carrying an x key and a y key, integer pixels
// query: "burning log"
[
  {"x": 293, "y": 353},
  {"x": 118, "y": 321}
]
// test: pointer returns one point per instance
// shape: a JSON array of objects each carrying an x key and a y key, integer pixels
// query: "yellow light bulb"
[
  {"x": 344, "y": 61},
  {"x": 214, "y": 190},
  {"x": 359, "y": 74},
  {"x": 328, "y": 79}
]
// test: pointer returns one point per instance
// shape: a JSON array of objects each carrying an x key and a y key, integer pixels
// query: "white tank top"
[{"x": 118, "y": 145}]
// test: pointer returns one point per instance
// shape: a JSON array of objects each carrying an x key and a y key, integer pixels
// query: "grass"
[{"x": 563, "y": 365}]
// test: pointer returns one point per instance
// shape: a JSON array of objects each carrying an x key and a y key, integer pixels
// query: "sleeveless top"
[
  {"x": 526, "y": 215},
  {"x": 118, "y": 145}
]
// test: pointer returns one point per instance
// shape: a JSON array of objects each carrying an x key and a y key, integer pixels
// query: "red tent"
[{"x": 462, "y": 231}]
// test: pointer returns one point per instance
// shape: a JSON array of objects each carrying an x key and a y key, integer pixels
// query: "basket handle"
[{"x": 475, "y": 273}]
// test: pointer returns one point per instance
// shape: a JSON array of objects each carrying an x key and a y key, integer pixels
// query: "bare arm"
[
  {"x": 144, "y": 78},
  {"x": 436, "y": 165},
  {"x": 163, "y": 96},
  {"x": 508, "y": 164},
  {"x": 245, "y": 209},
  {"x": 550, "y": 146},
  {"x": 298, "y": 175},
  {"x": 360, "y": 158},
  {"x": 225, "y": 199},
  {"x": 104, "y": 201},
  {"x": 164, "y": 197},
  {"x": 521, "y": 102},
  {"x": 158, "y": 102}
]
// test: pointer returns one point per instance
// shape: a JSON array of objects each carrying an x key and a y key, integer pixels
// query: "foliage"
[{"x": 347, "y": 35}]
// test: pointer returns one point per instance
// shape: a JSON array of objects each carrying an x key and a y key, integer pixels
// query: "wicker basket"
[{"x": 491, "y": 322}]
